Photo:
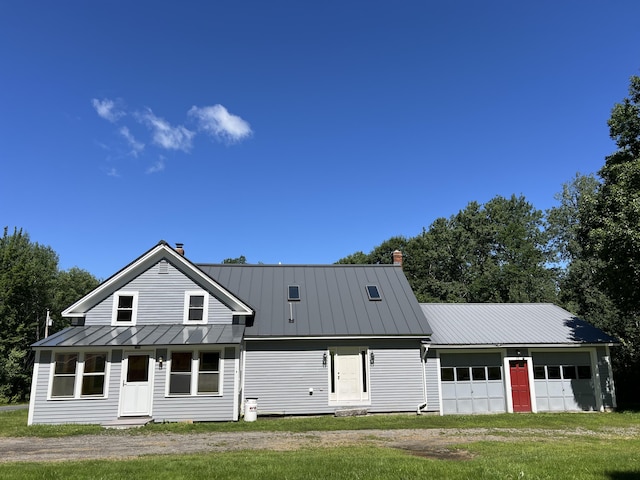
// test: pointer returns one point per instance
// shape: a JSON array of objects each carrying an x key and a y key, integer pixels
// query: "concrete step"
[{"x": 127, "y": 422}]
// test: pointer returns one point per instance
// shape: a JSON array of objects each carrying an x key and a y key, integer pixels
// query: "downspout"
[{"x": 424, "y": 348}]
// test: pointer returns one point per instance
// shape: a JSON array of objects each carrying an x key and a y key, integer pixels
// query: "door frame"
[
  {"x": 150, "y": 381},
  {"x": 507, "y": 380},
  {"x": 334, "y": 354}
]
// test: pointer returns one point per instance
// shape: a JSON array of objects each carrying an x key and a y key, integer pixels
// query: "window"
[
  {"x": 125, "y": 307},
  {"x": 195, "y": 373},
  {"x": 180, "y": 381},
  {"x": 294, "y": 293},
  {"x": 462, "y": 374},
  {"x": 584, "y": 372},
  {"x": 196, "y": 306},
  {"x": 78, "y": 375},
  {"x": 373, "y": 293},
  {"x": 64, "y": 375},
  {"x": 478, "y": 373},
  {"x": 209, "y": 373},
  {"x": 494, "y": 373},
  {"x": 539, "y": 373},
  {"x": 569, "y": 372},
  {"x": 93, "y": 374},
  {"x": 446, "y": 374}
]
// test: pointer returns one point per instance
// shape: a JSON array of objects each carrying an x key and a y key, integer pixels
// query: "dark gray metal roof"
[
  {"x": 144, "y": 335},
  {"x": 508, "y": 324},
  {"x": 333, "y": 300}
]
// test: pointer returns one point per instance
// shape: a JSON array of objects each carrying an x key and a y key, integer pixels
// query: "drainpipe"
[{"x": 424, "y": 348}]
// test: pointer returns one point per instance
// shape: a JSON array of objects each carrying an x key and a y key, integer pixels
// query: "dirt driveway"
[{"x": 434, "y": 443}]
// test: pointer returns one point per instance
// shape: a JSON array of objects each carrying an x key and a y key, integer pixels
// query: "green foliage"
[
  {"x": 30, "y": 283},
  {"x": 241, "y": 260}
]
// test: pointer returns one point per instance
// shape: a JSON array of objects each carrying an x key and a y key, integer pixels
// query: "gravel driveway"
[{"x": 434, "y": 443}]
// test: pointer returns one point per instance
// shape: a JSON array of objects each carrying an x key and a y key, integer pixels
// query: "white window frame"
[
  {"x": 205, "y": 308},
  {"x": 134, "y": 313},
  {"x": 195, "y": 370},
  {"x": 79, "y": 376}
]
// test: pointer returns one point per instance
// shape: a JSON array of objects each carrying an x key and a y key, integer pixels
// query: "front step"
[{"x": 127, "y": 422}]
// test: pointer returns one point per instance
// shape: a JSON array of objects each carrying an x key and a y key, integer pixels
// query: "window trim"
[
  {"x": 195, "y": 372},
  {"x": 79, "y": 375},
  {"x": 134, "y": 309},
  {"x": 205, "y": 307}
]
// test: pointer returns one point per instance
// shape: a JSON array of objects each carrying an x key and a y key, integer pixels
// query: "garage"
[
  {"x": 472, "y": 383},
  {"x": 563, "y": 381}
]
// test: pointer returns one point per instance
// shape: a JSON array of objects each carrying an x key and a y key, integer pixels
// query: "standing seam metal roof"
[
  {"x": 333, "y": 299},
  {"x": 508, "y": 324}
]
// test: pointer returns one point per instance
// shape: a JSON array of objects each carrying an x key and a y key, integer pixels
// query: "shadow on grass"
[{"x": 623, "y": 475}]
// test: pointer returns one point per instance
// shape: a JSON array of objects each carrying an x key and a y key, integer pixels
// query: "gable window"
[
  {"x": 196, "y": 306},
  {"x": 125, "y": 308},
  {"x": 373, "y": 293},
  {"x": 294, "y": 293},
  {"x": 195, "y": 373},
  {"x": 78, "y": 375}
]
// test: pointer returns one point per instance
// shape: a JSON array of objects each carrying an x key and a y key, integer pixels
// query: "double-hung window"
[
  {"x": 196, "y": 306},
  {"x": 125, "y": 308},
  {"x": 79, "y": 375},
  {"x": 195, "y": 373}
]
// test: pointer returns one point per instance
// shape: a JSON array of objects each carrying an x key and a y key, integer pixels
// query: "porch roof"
[{"x": 143, "y": 335}]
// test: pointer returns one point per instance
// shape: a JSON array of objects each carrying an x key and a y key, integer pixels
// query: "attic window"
[
  {"x": 373, "y": 293},
  {"x": 294, "y": 293}
]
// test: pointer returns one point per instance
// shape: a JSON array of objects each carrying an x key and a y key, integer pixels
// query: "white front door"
[
  {"x": 137, "y": 385},
  {"x": 350, "y": 377}
]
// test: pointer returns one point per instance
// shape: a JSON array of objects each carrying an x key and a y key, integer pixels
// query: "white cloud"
[
  {"x": 113, "y": 172},
  {"x": 136, "y": 146},
  {"x": 157, "y": 167},
  {"x": 107, "y": 109},
  {"x": 165, "y": 135},
  {"x": 219, "y": 123}
]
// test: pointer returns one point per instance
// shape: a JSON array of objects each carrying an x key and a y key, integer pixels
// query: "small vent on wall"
[{"x": 163, "y": 266}]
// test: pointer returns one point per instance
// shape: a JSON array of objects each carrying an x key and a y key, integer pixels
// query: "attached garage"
[{"x": 472, "y": 383}]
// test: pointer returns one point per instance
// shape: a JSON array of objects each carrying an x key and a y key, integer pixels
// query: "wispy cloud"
[
  {"x": 112, "y": 172},
  {"x": 107, "y": 109},
  {"x": 157, "y": 167},
  {"x": 219, "y": 123},
  {"x": 165, "y": 135},
  {"x": 136, "y": 146}
]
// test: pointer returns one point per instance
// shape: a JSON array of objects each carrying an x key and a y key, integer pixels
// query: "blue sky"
[{"x": 294, "y": 132}]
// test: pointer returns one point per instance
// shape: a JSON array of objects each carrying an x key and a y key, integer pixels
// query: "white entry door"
[
  {"x": 135, "y": 393},
  {"x": 350, "y": 377}
]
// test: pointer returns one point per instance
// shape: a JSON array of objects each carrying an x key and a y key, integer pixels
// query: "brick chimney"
[
  {"x": 397, "y": 257},
  {"x": 180, "y": 248}
]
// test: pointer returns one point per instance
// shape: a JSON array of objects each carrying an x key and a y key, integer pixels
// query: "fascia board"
[{"x": 144, "y": 262}]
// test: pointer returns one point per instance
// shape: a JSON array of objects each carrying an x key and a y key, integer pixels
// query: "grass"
[
  {"x": 581, "y": 458},
  {"x": 581, "y": 455},
  {"x": 14, "y": 423}
]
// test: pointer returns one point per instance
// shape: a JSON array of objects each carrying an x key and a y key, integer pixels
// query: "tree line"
[{"x": 582, "y": 254}]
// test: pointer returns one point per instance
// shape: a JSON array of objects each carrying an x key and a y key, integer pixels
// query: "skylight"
[
  {"x": 373, "y": 292},
  {"x": 294, "y": 293}
]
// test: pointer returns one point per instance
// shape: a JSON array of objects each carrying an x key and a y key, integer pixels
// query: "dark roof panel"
[{"x": 333, "y": 299}]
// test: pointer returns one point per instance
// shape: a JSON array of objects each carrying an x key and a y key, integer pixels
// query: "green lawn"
[
  {"x": 581, "y": 458},
  {"x": 14, "y": 423},
  {"x": 581, "y": 455}
]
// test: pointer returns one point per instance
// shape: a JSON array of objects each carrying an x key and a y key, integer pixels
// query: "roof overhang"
[
  {"x": 340, "y": 337},
  {"x": 521, "y": 345},
  {"x": 161, "y": 251}
]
